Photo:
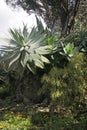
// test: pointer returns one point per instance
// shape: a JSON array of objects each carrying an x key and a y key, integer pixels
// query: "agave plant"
[{"x": 29, "y": 49}]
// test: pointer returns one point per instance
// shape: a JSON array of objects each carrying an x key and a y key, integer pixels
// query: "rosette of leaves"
[
  {"x": 29, "y": 49},
  {"x": 68, "y": 50}
]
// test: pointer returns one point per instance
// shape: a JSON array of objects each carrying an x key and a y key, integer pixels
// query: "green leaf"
[
  {"x": 39, "y": 63},
  {"x": 24, "y": 58},
  {"x": 44, "y": 59},
  {"x": 14, "y": 60},
  {"x": 31, "y": 67},
  {"x": 44, "y": 50}
]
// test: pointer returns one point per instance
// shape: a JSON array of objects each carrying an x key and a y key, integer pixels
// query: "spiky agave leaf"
[{"x": 27, "y": 48}]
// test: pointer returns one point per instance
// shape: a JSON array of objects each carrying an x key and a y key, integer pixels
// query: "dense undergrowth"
[{"x": 19, "y": 117}]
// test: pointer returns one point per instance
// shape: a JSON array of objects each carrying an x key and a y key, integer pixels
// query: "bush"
[{"x": 66, "y": 85}]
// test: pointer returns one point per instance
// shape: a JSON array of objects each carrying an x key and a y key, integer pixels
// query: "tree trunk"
[{"x": 27, "y": 90}]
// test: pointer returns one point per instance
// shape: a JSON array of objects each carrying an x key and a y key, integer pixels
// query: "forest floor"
[{"x": 37, "y": 117}]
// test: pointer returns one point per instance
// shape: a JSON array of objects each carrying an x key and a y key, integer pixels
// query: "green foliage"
[
  {"x": 4, "y": 91},
  {"x": 81, "y": 41},
  {"x": 47, "y": 121},
  {"x": 28, "y": 49},
  {"x": 68, "y": 50},
  {"x": 15, "y": 121},
  {"x": 79, "y": 35},
  {"x": 19, "y": 117},
  {"x": 66, "y": 85}
]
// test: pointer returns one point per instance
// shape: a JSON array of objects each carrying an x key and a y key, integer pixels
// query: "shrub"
[{"x": 66, "y": 85}]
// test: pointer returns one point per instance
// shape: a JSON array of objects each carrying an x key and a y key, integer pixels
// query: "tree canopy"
[{"x": 59, "y": 15}]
